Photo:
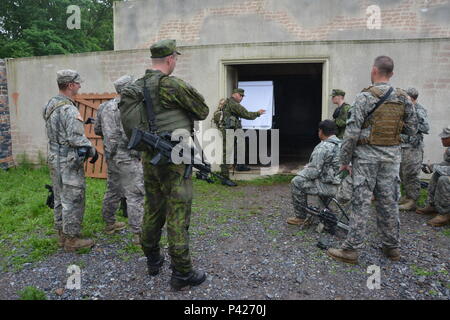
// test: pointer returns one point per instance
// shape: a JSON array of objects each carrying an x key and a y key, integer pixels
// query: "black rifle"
[
  {"x": 164, "y": 146},
  {"x": 51, "y": 197}
]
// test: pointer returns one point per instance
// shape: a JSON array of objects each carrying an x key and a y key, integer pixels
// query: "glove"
[
  {"x": 95, "y": 156},
  {"x": 426, "y": 168}
]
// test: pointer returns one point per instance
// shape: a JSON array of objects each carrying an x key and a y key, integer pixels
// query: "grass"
[
  {"x": 421, "y": 272},
  {"x": 32, "y": 293}
]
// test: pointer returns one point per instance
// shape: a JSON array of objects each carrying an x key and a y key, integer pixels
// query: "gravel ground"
[{"x": 249, "y": 252}]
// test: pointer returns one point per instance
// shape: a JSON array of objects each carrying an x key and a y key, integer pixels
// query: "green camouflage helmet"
[
  {"x": 337, "y": 92},
  {"x": 239, "y": 90},
  {"x": 163, "y": 48}
]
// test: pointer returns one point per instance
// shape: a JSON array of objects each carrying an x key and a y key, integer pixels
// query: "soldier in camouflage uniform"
[
  {"x": 125, "y": 175},
  {"x": 319, "y": 175},
  {"x": 176, "y": 105},
  {"x": 439, "y": 187},
  {"x": 232, "y": 112},
  {"x": 341, "y": 112},
  {"x": 412, "y": 155},
  {"x": 372, "y": 144},
  {"x": 68, "y": 148}
]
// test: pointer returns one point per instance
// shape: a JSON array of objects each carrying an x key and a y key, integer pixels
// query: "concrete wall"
[
  {"x": 424, "y": 64},
  {"x": 139, "y": 23},
  {"x": 6, "y": 159}
]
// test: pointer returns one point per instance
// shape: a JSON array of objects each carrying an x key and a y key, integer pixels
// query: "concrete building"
[{"x": 306, "y": 47}]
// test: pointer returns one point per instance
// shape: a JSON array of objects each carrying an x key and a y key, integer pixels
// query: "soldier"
[
  {"x": 232, "y": 112},
  {"x": 341, "y": 112},
  {"x": 372, "y": 144},
  {"x": 125, "y": 175},
  {"x": 68, "y": 149},
  {"x": 319, "y": 175},
  {"x": 439, "y": 187},
  {"x": 412, "y": 155},
  {"x": 176, "y": 105}
]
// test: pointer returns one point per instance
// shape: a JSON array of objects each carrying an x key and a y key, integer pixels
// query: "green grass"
[
  {"x": 32, "y": 293},
  {"x": 418, "y": 271}
]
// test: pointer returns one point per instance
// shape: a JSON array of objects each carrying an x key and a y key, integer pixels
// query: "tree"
[{"x": 39, "y": 27}]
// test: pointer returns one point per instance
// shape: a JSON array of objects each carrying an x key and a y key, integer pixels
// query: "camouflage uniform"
[
  {"x": 318, "y": 176},
  {"x": 375, "y": 169},
  {"x": 439, "y": 187},
  {"x": 125, "y": 173},
  {"x": 65, "y": 132},
  {"x": 168, "y": 194},
  {"x": 340, "y": 118},
  {"x": 412, "y": 155},
  {"x": 232, "y": 112}
]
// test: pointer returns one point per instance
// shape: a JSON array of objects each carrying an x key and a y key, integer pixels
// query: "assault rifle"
[{"x": 164, "y": 146}]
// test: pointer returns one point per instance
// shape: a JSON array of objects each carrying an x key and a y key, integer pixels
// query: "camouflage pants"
[
  {"x": 125, "y": 179},
  {"x": 302, "y": 187},
  {"x": 380, "y": 179},
  {"x": 168, "y": 200},
  {"x": 69, "y": 190},
  {"x": 409, "y": 171},
  {"x": 439, "y": 193}
]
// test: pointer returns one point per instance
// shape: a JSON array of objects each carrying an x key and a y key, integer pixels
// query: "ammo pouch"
[
  {"x": 231, "y": 122},
  {"x": 386, "y": 122}
]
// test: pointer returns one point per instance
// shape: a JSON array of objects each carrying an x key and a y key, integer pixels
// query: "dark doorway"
[{"x": 298, "y": 106}]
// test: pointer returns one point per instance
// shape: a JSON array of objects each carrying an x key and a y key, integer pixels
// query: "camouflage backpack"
[{"x": 218, "y": 117}]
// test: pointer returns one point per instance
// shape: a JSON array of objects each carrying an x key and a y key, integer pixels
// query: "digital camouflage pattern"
[
  {"x": 375, "y": 170},
  {"x": 125, "y": 174},
  {"x": 168, "y": 196},
  {"x": 232, "y": 112},
  {"x": 439, "y": 187},
  {"x": 65, "y": 132},
  {"x": 412, "y": 154},
  {"x": 318, "y": 176},
  {"x": 341, "y": 118}
]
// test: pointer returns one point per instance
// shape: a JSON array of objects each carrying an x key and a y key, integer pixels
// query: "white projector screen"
[{"x": 258, "y": 95}]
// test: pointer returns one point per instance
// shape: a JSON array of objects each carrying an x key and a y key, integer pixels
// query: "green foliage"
[
  {"x": 39, "y": 27},
  {"x": 32, "y": 293}
]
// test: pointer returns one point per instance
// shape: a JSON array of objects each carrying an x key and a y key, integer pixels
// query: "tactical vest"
[
  {"x": 61, "y": 101},
  {"x": 230, "y": 120},
  {"x": 386, "y": 121},
  {"x": 167, "y": 119}
]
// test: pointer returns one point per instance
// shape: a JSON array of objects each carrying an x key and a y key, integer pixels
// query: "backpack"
[
  {"x": 133, "y": 110},
  {"x": 218, "y": 116}
]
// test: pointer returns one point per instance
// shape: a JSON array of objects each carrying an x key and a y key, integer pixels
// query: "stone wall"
[{"x": 6, "y": 160}]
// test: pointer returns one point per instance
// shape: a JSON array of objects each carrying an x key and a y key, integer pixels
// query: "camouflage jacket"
[
  {"x": 233, "y": 111},
  {"x": 423, "y": 127},
  {"x": 366, "y": 153},
  {"x": 324, "y": 162},
  {"x": 443, "y": 168},
  {"x": 340, "y": 118},
  {"x": 109, "y": 126},
  {"x": 64, "y": 125}
]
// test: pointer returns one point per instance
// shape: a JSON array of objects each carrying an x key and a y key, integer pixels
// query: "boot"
[
  {"x": 344, "y": 255},
  {"x": 440, "y": 220},
  {"x": 242, "y": 167},
  {"x": 402, "y": 199},
  {"x": 408, "y": 205},
  {"x": 392, "y": 253},
  {"x": 296, "y": 221},
  {"x": 427, "y": 210},
  {"x": 73, "y": 243},
  {"x": 113, "y": 227},
  {"x": 179, "y": 280},
  {"x": 61, "y": 239},
  {"x": 154, "y": 264}
]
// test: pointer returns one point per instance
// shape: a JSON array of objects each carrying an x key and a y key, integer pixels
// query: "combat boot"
[
  {"x": 181, "y": 280},
  {"x": 113, "y": 227},
  {"x": 402, "y": 199},
  {"x": 296, "y": 221},
  {"x": 427, "y": 210},
  {"x": 440, "y": 220},
  {"x": 61, "y": 239},
  {"x": 344, "y": 255},
  {"x": 408, "y": 205},
  {"x": 154, "y": 264},
  {"x": 73, "y": 243},
  {"x": 242, "y": 167},
  {"x": 392, "y": 253}
]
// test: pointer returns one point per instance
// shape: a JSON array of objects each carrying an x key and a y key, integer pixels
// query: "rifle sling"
[
  {"x": 149, "y": 106},
  {"x": 380, "y": 102}
]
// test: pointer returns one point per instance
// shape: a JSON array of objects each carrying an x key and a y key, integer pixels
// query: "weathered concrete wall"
[
  {"x": 424, "y": 64},
  {"x": 139, "y": 23},
  {"x": 6, "y": 159}
]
